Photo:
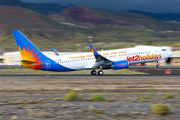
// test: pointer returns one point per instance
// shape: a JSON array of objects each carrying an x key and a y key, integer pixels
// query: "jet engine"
[{"x": 120, "y": 64}]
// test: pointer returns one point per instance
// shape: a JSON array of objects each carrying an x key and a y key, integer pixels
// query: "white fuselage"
[{"x": 133, "y": 55}]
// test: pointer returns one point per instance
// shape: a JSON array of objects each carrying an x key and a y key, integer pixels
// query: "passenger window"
[{"x": 163, "y": 49}]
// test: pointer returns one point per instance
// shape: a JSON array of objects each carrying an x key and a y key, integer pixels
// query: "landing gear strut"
[
  {"x": 93, "y": 72},
  {"x": 100, "y": 72},
  {"x": 157, "y": 65}
]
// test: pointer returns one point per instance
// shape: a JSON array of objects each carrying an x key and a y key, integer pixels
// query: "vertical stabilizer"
[{"x": 31, "y": 55}]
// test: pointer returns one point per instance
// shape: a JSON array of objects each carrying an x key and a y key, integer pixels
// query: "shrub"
[
  {"x": 93, "y": 90},
  {"x": 160, "y": 109},
  {"x": 47, "y": 115},
  {"x": 169, "y": 95},
  {"x": 98, "y": 97},
  {"x": 100, "y": 88},
  {"x": 22, "y": 105},
  {"x": 91, "y": 110},
  {"x": 72, "y": 96},
  {"x": 145, "y": 98},
  {"x": 41, "y": 89},
  {"x": 40, "y": 106},
  {"x": 71, "y": 90},
  {"x": 100, "y": 111},
  {"x": 151, "y": 92}
]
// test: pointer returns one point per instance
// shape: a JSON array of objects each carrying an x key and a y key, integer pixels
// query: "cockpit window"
[{"x": 163, "y": 49}]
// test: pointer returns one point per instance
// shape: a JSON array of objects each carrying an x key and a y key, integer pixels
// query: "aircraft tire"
[
  {"x": 93, "y": 72},
  {"x": 157, "y": 65},
  {"x": 100, "y": 72}
]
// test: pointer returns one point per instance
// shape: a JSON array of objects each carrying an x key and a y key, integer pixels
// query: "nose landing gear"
[{"x": 157, "y": 65}]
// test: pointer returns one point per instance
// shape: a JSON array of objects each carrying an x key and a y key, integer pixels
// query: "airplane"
[{"x": 108, "y": 59}]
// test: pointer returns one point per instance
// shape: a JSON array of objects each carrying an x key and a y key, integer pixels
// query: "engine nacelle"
[{"x": 120, "y": 64}]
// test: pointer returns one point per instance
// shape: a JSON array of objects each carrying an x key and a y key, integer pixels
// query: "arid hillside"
[
  {"x": 35, "y": 26},
  {"x": 82, "y": 15}
]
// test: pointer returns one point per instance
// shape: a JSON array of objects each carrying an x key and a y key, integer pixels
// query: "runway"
[
  {"x": 149, "y": 70},
  {"x": 94, "y": 76}
]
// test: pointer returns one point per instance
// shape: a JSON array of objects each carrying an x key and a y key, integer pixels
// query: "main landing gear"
[
  {"x": 100, "y": 72},
  {"x": 93, "y": 72},
  {"x": 157, "y": 65}
]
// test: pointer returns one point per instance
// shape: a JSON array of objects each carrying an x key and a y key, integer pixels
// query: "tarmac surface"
[
  {"x": 94, "y": 76},
  {"x": 163, "y": 70}
]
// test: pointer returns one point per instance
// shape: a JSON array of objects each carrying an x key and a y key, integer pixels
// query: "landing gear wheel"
[
  {"x": 93, "y": 72},
  {"x": 157, "y": 65},
  {"x": 100, "y": 72}
]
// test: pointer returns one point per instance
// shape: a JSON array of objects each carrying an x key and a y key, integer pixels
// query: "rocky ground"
[{"x": 42, "y": 98}]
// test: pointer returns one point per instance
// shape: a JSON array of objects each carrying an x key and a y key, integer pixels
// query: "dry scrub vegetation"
[{"x": 78, "y": 98}]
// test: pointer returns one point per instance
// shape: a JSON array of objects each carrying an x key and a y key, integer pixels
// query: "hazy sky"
[{"x": 157, "y": 6}]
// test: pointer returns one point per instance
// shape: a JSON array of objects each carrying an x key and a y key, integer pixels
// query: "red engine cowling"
[{"x": 120, "y": 64}]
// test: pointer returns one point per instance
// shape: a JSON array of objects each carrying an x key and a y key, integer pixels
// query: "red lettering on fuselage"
[{"x": 147, "y": 57}]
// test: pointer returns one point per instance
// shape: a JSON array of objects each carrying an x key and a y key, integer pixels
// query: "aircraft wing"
[
  {"x": 98, "y": 57},
  {"x": 100, "y": 60}
]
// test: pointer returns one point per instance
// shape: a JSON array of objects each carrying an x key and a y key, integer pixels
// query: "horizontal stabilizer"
[{"x": 27, "y": 61}]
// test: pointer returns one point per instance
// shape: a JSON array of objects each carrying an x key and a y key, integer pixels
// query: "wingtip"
[
  {"x": 91, "y": 46},
  {"x": 15, "y": 31}
]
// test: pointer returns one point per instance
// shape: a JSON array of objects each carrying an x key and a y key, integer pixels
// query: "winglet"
[
  {"x": 97, "y": 55},
  {"x": 55, "y": 52},
  {"x": 94, "y": 51}
]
